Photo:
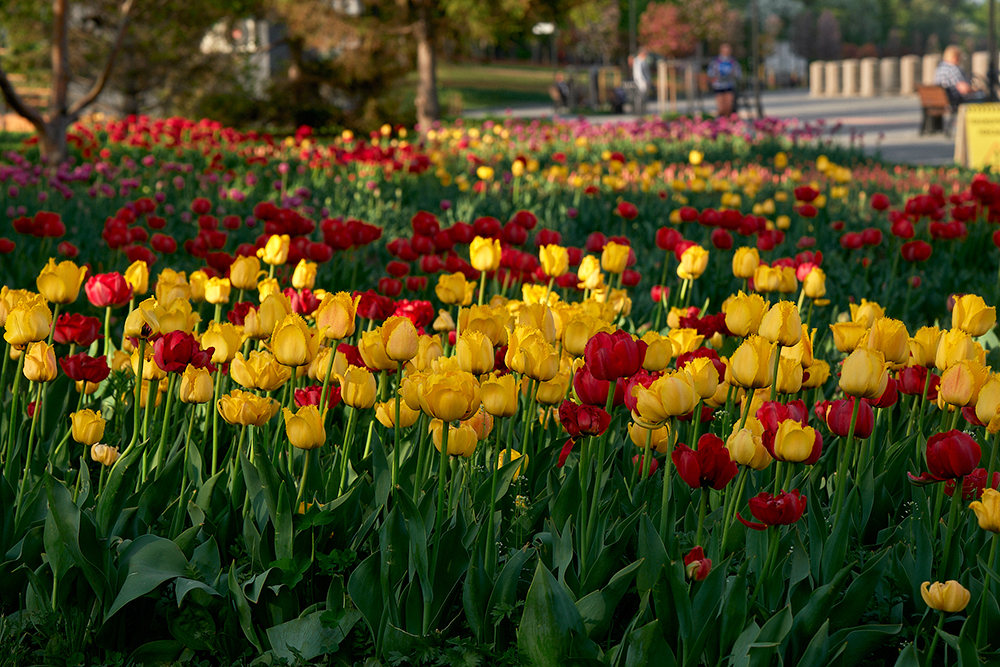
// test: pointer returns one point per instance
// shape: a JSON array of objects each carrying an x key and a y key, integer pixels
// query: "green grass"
[{"x": 485, "y": 86}]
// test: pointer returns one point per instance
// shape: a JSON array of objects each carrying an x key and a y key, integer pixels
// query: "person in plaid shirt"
[{"x": 950, "y": 76}]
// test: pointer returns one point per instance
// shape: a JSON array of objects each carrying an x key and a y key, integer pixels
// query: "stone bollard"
[
  {"x": 868, "y": 81},
  {"x": 909, "y": 74},
  {"x": 832, "y": 76},
  {"x": 931, "y": 61},
  {"x": 849, "y": 77},
  {"x": 889, "y": 76},
  {"x": 816, "y": 78}
]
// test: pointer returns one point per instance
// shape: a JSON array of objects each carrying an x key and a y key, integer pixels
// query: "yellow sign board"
[{"x": 982, "y": 135}]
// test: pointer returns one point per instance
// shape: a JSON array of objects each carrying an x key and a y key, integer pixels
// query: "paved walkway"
[{"x": 886, "y": 126}]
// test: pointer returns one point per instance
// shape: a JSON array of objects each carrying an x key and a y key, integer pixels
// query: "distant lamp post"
[
  {"x": 548, "y": 28},
  {"x": 991, "y": 46}
]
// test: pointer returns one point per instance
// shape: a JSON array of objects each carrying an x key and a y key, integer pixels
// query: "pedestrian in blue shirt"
[{"x": 724, "y": 73}]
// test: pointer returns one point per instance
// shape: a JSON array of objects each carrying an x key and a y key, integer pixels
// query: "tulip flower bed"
[{"x": 514, "y": 393}]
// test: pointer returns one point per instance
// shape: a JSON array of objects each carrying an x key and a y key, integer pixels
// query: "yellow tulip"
[
  {"x": 864, "y": 374},
  {"x": 659, "y": 352},
  {"x": 589, "y": 273},
  {"x": 386, "y": 414},
  {"x": 142, "y": 322},
  {"x": 474, "y": 352},
  {"x": 987, "y": 510},
  {"x": 554, "y": 391},
  {"x": 668, "y": 396},
  {"x": 60, "y": 283},
  {"x": 461, "y": 439},
  {"x": 244, "y": 273},
  {"x": 259, "y": 371},
  {"x": 923, "y": 346},
  {"x": 659, "y": 438},
  {"x": 801, "y": 352},
  {"x": 954, "y": 346},
  {"x": 357, "y": 388},
  {"x": 704, "y": 377},
  {"x": 199, "y": 283},
  {"x": 217, "y": 290},
  {"x": 685, "y": 340},
  {"x": 767, "y": 279},
  {"x": 450, "y": 396},
  {"x": 614, "y": 257},
  {"x": 304, "y": 276},
  {"x": 137, "y": 277},
  {"x": 514, "y": 456},
  {"x": 744, "y": 313},
  {"x": 454, "y": 289},
  {"x": 399, "y": 338},
  {"x": 961, "y": 383},
  {"x": 484, "y": 254},
  {"x": 579, "y": 330},
  {"x": 196, "y": 385},
  {"x": 372, "y": 349},
  {"x": 746, "y": 447},
  {"x": 793, "y": 441},
  {"x": 246, "y": 409},
  {"x": 336, "y": 315},
  {"x": 554, "y": 259},
  {"x": 866, "y": 312},
  {"x": 949, "y": 597},
  {"x": 816, "y": 374},
  {"x": 890, "y": 337},
  {"x": 103, "y": 454},
  {"x": 970, "y": 314},
  {"x": 529, "y": 353},
  {"x": 694, "y": 261},
  {"x": 275, "y": 251},
  {"x": 752, "y": 364},
  {"x": 781, "y": 324},
  {"x": 815, "y": 283},
  {"x": 988, "y": 403},
  {"x": 481, "y": 423},
  {"x": 87, "y": 426},
  {"x": 499, "y": 395},
  {"x": 292, "y": 344},
  {"x": 28, "y": 322},
  {"x": 848, "y": 335},
  {"x": 40, "y": 363},
  {"x": 304, "y": 428},
  {"x": 224, "y": 339},
  {"x": 745, "y": 262},
  {"x": 789, "y": 376},
  {"x": 171, "y": 285}
]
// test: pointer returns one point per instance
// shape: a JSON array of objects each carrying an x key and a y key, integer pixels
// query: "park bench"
[{"x": 935, "y": 105}]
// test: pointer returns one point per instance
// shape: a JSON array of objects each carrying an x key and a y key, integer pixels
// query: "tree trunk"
[
  {"x": 53, "y": 145},
  {"x": 428, "y": 108}
]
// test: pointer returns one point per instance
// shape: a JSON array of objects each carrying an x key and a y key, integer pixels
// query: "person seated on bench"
[
  {"x": 559, "y": 91},
  {"x": 956, "y": 84}
]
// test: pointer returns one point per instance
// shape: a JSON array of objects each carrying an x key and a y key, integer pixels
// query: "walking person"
[{"x": 724, "y": 73}]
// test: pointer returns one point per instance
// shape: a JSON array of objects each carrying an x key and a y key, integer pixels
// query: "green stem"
[
  {"x": 599, "y": 470},
  {"x": 774, "y": 376},
  {"x": 442, "y": 475},
  {"x": 934, "y": 640},
  {"x": 772, "y": 552},
  {"x": 137, "y": 422},
  {"x": 107, "y": 334},
  {"x": 14, "y": 421},
  {"x": 324, "y": 399},
  {"x": 702, "y": 509},
  {"x": 158, "y": 459},
  {"x": 984, "y": 605},
  {"x": 215, "y": 422},
  {"x": 345, "y": 453},
  {"x": 491, "y": 548},
  {"x": 993, "y": 455},
  {"x": 956, "y": 499},
  {"x": 302, "y": 481},
  {"x": 482, "y": 288},
  {"x": 732, "y": 505},
  {"x": 396, "y": 428},
  {"x": 31, "y": 451},
  {"x": 665, "y": 498},
  {"x": 842, "y": 468}
]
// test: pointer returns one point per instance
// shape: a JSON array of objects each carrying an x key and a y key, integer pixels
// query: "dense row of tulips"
[{"x": 704, "y": 435}]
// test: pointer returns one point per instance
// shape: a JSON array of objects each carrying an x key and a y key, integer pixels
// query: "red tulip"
[
  {"x": 659, "y": 293},
  {"x": 709, "y": 465},
  {"x": 67, "y": 250},
  {"x": 416, "y": 283},
  {"x": 806, "y": 193},
  {"x": 880, "y": 202},
  {"x": 667, "y": 238},
  {"x": 80, "y": 367},
  {"x": 838, "y": 418},
  {"x": 580, "y": 420},
  {"x": 950, "y": 455},
  {"x": 596, "y": 242},
  {"x": 974, "y": 484},
  {"x": 374, "y": 306},
  {"x": 163, "y": 243},
  {"x": 615, "y": 355},
  {"x": 177, "y": 350},
  {"x": 722, "y": 239},
  {"x": 638, "y": 462},
  {"x": 76, "y": 329},
  {"x": 6, "y": 246},
  {"x": 783, "y": 509},
  {"x": 627, "y": 210},
  {"x": 916, "y": 251},
  {"x": 108, "y": 289},
  {"x": 311, "y": 396},
  {"x": 696, "y": 566},
  {"x": 592, "y": 391},
  {"x": 390, "y": 286}
]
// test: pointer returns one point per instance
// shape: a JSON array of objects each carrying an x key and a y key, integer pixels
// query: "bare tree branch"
[
  {"x": 15, "y": 102},
  {"x": 102, "y": 80}
]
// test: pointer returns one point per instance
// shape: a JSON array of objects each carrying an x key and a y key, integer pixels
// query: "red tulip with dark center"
[{"x": 783, "y": 509}]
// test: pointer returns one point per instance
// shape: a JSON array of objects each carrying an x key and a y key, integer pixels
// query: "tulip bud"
[
  {"x": 357, "y": 388},
  {"x": 399, "y": 338},
  {"x": 745, "y": 262},
  {"x": 960, "y": 384},
  {"x": 789, "y": 376},
  {"x": 244, "y": 272},
  {"x": 848, "y": 335},
  {"x": 890, "y": 337},
  {"x": 199, "y": 284},
  {"x": 60, "y": 283},
  {"x": 106, "y": 456},
  {"x": 499, "y": 395},
  {"x": 292, "y": 344},
  {"x": 40, "y": 363},
  {"x": 971, "y": 315},
  {"x": 614, "y": 257},
  {"x": 87, "y": 426},
  {"x": 137, "y": 277},
  {"x": 987, "y": 510},
  {"x": 304, "y": 276},
  {"x": 450, "y": 395},
  {"x": 474, "y": 352},
  {"x": 694, "y": 261},
  {"x": 864, "y": 374},
  {"x": 659, "y": 438},
  {"x": 336, "y": 314},
  {"x": 461, "y": 440},
  {"x": 304, "y": 428},
  {"x": 752, "y": 364},
  {"x": 815, "y": 283},
  {"x": 275, "y": 252},
  {"x": 386, "y": 414},
  {"x": 454, "y": 289},
  {"x": 793, "y": 441},
  {"x": 781, "y": 324},
  {"x": 217, "y": 290},
  {"x": 196, "y": 385},
  {"x": 484, "y": 254},
  {"x": 514, "y": 456},
  {"x": 28, "y": 322},
  {"x": 554, "y": 260}
]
